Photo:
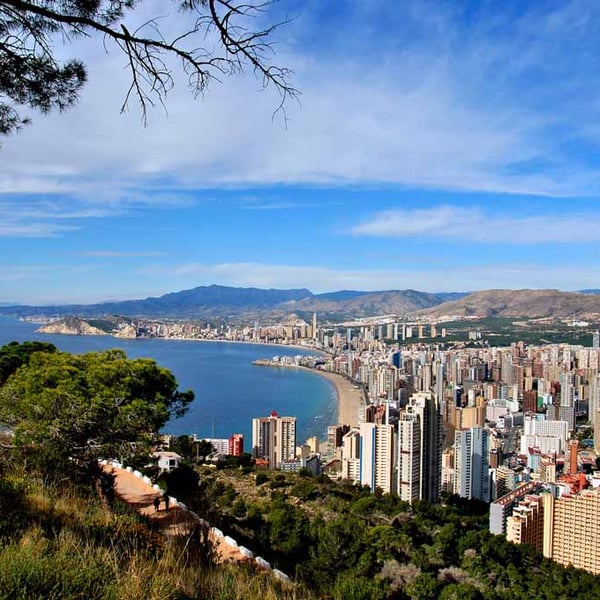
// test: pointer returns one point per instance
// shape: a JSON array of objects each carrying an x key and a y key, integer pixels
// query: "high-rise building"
[
  {"x": 526, "y": 524},
  {"x": 565, "y": 529},
  {"x": 448, "y": 471},
  {"x": 596, "y": 339},
  {"x": 236, "y": 444},
  {"x": 377, "y": 456},
  {"x": 274, "y": 438},
  {"x": 471, "y": 463},
  {"x": 572, "y": 530},
  {"x": 351, "y": 455},
  {"x": 503, "y": 506},
  {"x": 420, "y": 441},
  {"x": 409, "y": 457}
]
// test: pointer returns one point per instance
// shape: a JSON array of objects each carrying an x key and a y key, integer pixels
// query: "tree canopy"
[
  {"x": 76, "y": 408},
  {"x": 212, "y": 39},
  {"x": 13, "y": 355}
]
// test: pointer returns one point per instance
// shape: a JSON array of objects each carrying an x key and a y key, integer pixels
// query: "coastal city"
[
  {"x": 517, "y": 427},
  {"x": 299, "y": 300}
]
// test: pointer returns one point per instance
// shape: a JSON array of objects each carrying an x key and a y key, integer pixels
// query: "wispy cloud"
[
  {"x": 120, "y": 254},
  {"x": 436, "y": 278},
  {"x": 419, "y": 98},
  {"x": 27, "y": 217},
  {"x": 475, "y": 225},
  {"x": 53, "y": 214},
  {"x": 16, "y": 229},
  {"x": 274, "y": 206}
]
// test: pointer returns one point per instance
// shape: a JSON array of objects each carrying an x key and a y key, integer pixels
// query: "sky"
[{"x": 435, "y": 145}]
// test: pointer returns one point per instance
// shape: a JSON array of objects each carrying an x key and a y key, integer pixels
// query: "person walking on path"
[
  {"x": 156, "y": 503},
  {"x": 166, "y": 499}
]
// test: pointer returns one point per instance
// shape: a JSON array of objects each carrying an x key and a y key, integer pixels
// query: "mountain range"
[{"x": 233, "y": 303}]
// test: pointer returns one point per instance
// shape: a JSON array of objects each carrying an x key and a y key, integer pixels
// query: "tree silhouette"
[{"x": 220, "y": 39}]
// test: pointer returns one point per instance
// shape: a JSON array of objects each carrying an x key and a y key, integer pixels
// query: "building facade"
[
  {"x": 236, "y": 444},
  {"x": 471, "y": 463},
  {"x": 377, "y": 456},
  {"x": 274, "y": 439},
  {"x": 420, "y": 442}
]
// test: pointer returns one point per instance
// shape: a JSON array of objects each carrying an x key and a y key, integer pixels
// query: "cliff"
[{"x": 71, "y": 326}]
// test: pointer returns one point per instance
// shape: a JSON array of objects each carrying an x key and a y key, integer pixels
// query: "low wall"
[{"x": 217, "y": 533}]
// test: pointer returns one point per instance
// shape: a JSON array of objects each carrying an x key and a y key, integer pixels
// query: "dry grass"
[{"x": 68, "y": 547}]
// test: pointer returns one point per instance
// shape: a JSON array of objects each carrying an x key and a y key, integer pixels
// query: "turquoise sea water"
[{"x": 229, "y": 389}]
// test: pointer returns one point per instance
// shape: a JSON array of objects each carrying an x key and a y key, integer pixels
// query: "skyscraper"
[
  {"x": 471, "y": 463},
  {"x": 377, "y": 456},
  {"x": 409, "y": 457},
  {"x": 274, "y": 438},
  {"x": 351, "y": 455},
  {"x": 420, "y": 441}
]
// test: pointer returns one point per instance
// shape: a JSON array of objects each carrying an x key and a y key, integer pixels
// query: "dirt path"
[{"x": 174, "y": 521}]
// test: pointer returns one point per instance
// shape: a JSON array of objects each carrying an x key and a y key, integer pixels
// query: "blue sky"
[{"x": 439, "y": 146}]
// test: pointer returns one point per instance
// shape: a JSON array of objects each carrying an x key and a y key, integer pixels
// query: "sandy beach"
[{"x": 350, "y": 399}]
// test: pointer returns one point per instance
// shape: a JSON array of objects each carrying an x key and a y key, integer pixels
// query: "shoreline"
[
  {"x": 310, "y": 349},
  {"x": 349, "y": 398}
]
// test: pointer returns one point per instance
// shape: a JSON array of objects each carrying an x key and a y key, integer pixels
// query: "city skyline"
[{"x": 434, "y": 147}]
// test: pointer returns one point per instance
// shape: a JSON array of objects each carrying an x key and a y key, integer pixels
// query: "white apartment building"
[{"x": 274, "y": 438}]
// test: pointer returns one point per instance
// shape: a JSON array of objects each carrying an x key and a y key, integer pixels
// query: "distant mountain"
[
  {"x": 349, "y": 305},
  {"x": 339, "y": 296},
  {"x": 449, "y": 296},
  {"x": 594, "y": 292},
  {"x": 521, "y": 303},
  {"x": 247, "y": 304},
  {"x": 215, "y": 301},
  {"x": 199, "y": 302}
]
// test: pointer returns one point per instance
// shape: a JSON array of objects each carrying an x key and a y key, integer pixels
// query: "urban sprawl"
[{"x": 517, "y": 427}]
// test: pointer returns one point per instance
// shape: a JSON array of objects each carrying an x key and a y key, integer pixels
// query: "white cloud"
[
  {"x": 447, "y": 111},
  {"x": 475, "y": 225},
  {"x": 23, "y": 282},
  {"x": 33, "y": 229},
  {"x": 435, "y": 278}
]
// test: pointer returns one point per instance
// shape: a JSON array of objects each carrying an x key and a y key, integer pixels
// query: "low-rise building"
[{"x": 167, "y": 461}]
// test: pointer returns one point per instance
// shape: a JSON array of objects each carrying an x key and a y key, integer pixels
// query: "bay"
[{"x": 229, "y": 389}]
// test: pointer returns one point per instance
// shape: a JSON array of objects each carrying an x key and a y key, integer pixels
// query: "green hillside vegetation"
[
  {"x": 502, "y": 331},
  {"x": 61, "y": 542},
  {"x": 63, "y": 535},
  {"x": 341, "y": 541}
]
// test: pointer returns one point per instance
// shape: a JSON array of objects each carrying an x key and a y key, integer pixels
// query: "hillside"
[
  {"x": 71, "y": 326},
  {"x": 521, "y": 303},
  {"x": 225, "y": 303},
  {"x": 367, "y": 304},
  {"x": 200, "y": 302}
]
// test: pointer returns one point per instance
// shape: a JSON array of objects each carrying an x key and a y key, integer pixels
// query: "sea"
[{"x": 229, "y": 390}]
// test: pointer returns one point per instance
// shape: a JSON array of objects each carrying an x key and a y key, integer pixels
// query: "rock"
[{"x": 71, "y": 326}]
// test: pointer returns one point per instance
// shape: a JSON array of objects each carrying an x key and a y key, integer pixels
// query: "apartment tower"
[
  {"x": 274, "y": 438},
  {"x": 471, "y": 463},
  {"x": 377, "y": 456},
  {"x": 420, "y": 441}
]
